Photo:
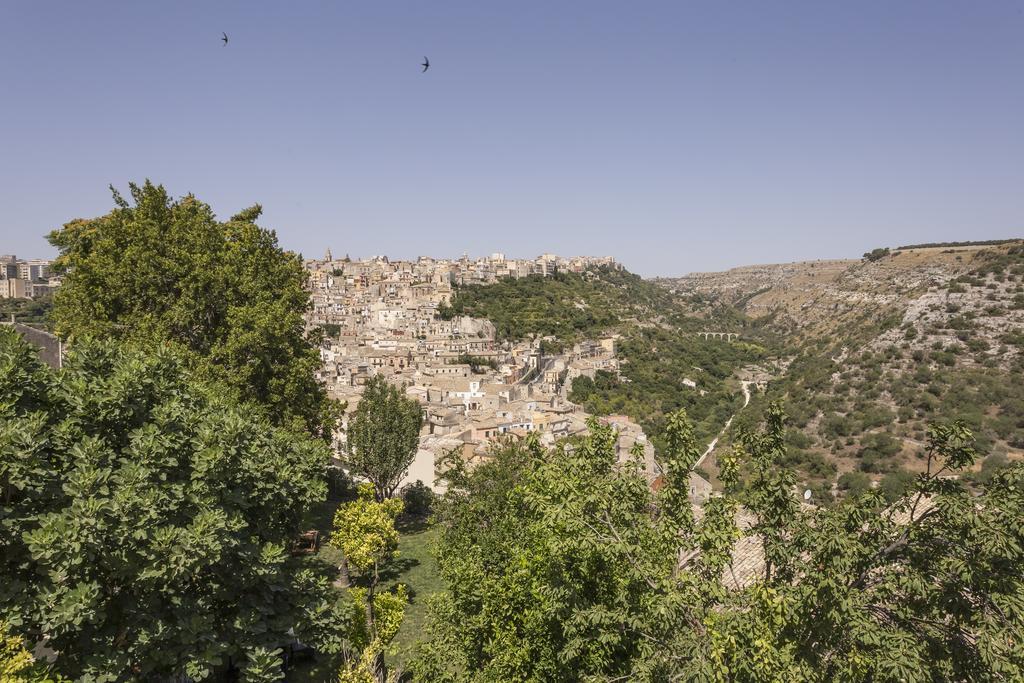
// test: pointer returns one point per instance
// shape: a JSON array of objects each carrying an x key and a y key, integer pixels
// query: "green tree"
[
  {"x": 383, "y": 436},
  {"x": 567, "y": 306},
  {"x": 166, "y": 271},
  {"x": 145, "y": 517},
  {"x": 568, "y": 555},
  {"x": 564, "y": 566},
  {"x": 364, "y": 530}
]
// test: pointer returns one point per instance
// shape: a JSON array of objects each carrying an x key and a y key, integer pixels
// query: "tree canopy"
[
  {"x": 383, "y": 436},
  {"x": 563, "y": 565},
  {"x": 145, "y": 518},
  {"x": 166, "y": 271},
  {"x": 565, "y": 305}
]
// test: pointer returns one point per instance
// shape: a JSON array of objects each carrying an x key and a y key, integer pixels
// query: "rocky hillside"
[
  {"x": 875, "y": 348},
  {"x": 811, "y": 299}
]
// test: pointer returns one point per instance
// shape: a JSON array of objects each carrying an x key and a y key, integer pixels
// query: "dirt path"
[{"x": 745, "y": 385}]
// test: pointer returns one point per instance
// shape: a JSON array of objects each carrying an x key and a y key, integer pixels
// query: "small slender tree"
[
  {"x": 364, "y": 530},
  {"x": 383, "y": 436},
  {"x": 17, "y": 665}
]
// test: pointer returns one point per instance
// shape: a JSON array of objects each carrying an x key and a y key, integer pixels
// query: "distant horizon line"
[{"x": 616, "y": 259}]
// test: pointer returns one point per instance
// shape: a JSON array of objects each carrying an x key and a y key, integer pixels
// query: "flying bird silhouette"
[
  {"x": 425, "y": 65},
  {"x": 225, "y": 39}
]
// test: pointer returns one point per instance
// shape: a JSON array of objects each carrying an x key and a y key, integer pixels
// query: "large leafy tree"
[
  {"x": 564, "y": 566},
  {"x": 383, "y": 436},
  {"x": 166, "y": 271},
  {"x": 145, "y": 518}
]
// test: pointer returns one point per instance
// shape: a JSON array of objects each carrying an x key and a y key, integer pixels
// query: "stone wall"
[{"x": 50, "y": 347}]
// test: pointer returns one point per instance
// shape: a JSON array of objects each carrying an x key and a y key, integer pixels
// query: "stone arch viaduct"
[{"x": 728, "y": 336}]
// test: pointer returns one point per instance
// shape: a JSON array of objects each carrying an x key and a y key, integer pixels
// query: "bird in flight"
[
  {"x": 225, "y": 39},
  {"x": 425, "y": 65}
]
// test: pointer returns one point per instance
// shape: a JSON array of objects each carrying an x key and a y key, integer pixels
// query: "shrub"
[
  {"x": 895, "y": 485},
  {"x": 418, "y": 498},
  {"x": 854, "y": 483},
  {"x": 991, "y": 465},
  {"x": 838, "y": 425}
]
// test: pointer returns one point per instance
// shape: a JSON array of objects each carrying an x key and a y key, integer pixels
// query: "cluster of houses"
[
  {"x": 25, "y": 278},
  {"x": 380, "y": 318}
]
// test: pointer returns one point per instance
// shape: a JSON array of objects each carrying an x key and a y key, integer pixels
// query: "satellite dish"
[{"x": 807, "y": 494}]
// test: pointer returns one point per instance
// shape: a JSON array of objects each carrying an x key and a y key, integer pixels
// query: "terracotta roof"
[{"x": 747, "y": 564}]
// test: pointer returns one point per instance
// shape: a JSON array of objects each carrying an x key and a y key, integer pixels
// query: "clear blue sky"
[{"x": 676, "y": 135}]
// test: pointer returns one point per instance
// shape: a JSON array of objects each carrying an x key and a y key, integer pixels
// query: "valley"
[{"x": 876, "y": 348}]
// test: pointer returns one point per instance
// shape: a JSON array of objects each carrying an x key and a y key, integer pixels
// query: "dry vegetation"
[{"x": 880, "y": 346}]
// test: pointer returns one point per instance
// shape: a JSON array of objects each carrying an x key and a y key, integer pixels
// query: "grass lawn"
[{"x": 414, "y": 566}]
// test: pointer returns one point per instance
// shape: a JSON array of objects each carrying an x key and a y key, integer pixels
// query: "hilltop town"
[{"x": 383, "y": 317}]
